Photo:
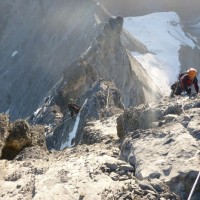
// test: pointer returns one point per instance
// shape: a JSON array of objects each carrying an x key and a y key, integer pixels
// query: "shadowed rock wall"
[{"x": 38, "y": 40}]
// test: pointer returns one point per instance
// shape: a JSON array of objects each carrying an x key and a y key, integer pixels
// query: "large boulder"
[
  {"x": 140, "y": 117},
  {"x": 149, "y": 115},
  {"x": 16, "y": 136},
  {"x": 17, "y": 140}
]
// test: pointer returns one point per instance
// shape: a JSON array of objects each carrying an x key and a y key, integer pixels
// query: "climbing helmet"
[{"x": 192, "y": 72}]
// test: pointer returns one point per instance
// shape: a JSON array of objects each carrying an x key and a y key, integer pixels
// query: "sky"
[{"x": 162, "y": 34}]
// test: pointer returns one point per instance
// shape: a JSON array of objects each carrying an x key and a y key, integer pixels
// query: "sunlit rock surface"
[{"x": 162, "y": 141}]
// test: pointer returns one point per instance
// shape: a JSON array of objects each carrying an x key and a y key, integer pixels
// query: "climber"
[
  {"x": 185, "y": 82},
  {"x": 73, "y": 108}
]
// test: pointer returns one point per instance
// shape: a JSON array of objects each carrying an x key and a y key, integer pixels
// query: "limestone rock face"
[
  {"x": 161, "y": 141},
  {"x": 149, "y": 162},
  {"x": 110, "y": 60}
]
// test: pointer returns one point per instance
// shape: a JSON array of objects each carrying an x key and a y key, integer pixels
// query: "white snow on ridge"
[
  {"x": 14, "y": 54},
  {"x": 163, "y": 35}
]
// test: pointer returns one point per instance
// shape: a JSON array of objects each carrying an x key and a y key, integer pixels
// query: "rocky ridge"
[
  {"x": 127, "y": 85},
  {"x": 156, "y": 155},
  {"x": 156, "y": 160},
  {"x": 82, "y": 172}
]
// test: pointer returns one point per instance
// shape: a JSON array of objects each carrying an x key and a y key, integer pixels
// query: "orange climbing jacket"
[
  {"x": 188, "y": 79},
  {"x": 185, "y": 80}
]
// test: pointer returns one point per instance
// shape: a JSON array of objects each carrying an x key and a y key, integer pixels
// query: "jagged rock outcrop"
[
  {"x": 16, "y": 136},
  {"x": 110, "y": 60},
  {"x": 17, "y": 139},
  {"x": 105, "y": 56},
  {"x": 102, "y": 100},
  {"x": 161, "y": 140}
]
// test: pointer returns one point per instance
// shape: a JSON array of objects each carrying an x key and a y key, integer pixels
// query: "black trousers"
[{"x": 178, "y": 90}]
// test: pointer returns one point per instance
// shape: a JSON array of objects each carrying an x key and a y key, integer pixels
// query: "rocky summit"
[{"x": 125, "y": 138}]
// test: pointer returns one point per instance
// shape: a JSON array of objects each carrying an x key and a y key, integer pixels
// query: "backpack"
[
  {"x": 174, "y": 85},
  {"x": 181, "y": 74}
]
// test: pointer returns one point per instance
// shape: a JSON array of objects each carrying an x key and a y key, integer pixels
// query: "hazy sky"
[{"x": 186, "y": 8}]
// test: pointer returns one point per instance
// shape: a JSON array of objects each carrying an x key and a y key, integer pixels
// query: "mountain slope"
[
  {"x": 165, "y": 45},
  {"x": 39, "y": 40},
  {"x": 80, "y": 52},
  {"x": 36, "y": 53}
]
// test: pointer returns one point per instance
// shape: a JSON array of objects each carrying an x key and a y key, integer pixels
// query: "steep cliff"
[{"x": 39, "y": 40}]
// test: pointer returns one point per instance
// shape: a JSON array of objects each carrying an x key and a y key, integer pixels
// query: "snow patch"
[
  {"x": 86, "y": 51},
  {"x": 14, "y": 54},
  {"x": 72, "y": 134},
  {"x": 37, "y": 112},
  {"x": 7, "y": 111},
  {"x": 162, "y": 34}
]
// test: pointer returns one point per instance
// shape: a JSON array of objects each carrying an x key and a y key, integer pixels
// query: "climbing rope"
[
  {"x": 53, "y": 128},
  {"x": 64, "y": 121},
  {"x": 194, "y": 186}
]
